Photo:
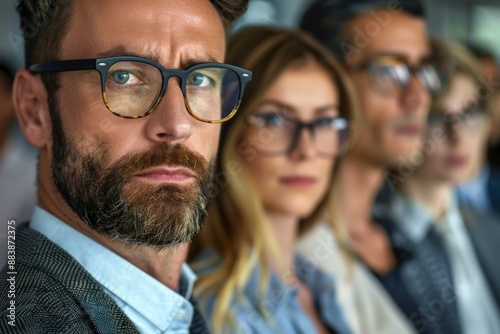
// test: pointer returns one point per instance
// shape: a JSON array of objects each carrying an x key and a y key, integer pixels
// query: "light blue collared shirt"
[
  {"x": 150, "y": 305},
  {"x": 473, "y": 195},
  {"x": 282, "y": 303},
  {"x": 478, "y": 311}
]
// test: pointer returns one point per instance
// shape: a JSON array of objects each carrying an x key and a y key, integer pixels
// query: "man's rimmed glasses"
[
  {"x": 279, "y": 133},
  {"x": 392, "y": 74},
  {"x": 132, "y": 87}
]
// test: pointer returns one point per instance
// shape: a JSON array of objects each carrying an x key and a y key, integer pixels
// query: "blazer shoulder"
[
  {"x": 51, "y": 292},
  {"x": 34, "y": 302}
]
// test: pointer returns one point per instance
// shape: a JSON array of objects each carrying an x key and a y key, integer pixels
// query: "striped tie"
[{"x": 428, "y": 278}]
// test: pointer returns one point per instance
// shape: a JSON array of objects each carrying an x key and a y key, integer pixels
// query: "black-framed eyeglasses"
[
  {"x": 471, "y": 116},
  {"x": 392, "y": 74},
  {"x": 133, "y": 86},
  {"x": 279, "y": 134}
]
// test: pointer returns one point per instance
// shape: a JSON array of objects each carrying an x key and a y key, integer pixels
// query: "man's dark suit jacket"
[
  {"x": 421, "y": 279},
  {"x": 494, "y": 191},
  {"x": 54, "y": 294},
  {"x": 484, "y": 232}
]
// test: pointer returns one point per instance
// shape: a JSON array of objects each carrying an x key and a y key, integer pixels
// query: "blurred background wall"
[
  {"x": 475, "y": 21},
  {"x": 462, "y": 20},
  {"x": 11, "y": 49}
]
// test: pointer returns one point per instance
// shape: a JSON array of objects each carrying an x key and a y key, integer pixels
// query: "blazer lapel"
[{"x": 484, "y": 232}]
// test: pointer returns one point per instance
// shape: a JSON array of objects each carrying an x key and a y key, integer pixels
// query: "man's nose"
[
  {"x": 415, "y": 95},
  {"x": 456, "y": 130},
  {"x": 170, "y": 121}
]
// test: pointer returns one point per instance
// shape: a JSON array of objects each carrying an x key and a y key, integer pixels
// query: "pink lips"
[
  {"x": 457, "y": 161},
  {"x": 409, "y": 130},
  {"x": 298, "y": 181},
  {"x": 167, "y": 174}
]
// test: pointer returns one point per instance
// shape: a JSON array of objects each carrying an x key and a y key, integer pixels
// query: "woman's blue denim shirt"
[{"x": 282, "y": 303}]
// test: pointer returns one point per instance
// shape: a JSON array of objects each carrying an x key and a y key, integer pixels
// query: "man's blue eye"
[
  {"x": 120, "y": 77},
  {"x": 200, "y": 80}
]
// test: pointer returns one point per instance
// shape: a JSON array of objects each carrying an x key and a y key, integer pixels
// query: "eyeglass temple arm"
[{"x": 63, "y": 65}]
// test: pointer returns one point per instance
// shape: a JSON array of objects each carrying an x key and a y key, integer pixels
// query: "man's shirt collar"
[{"x": 146, "y": 301}]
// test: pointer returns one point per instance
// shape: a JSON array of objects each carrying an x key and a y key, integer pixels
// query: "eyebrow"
[
  {"x": 291, "y": 110},
  {"x": 121, "y": 50},
  {"x": 424, "y": 58}
]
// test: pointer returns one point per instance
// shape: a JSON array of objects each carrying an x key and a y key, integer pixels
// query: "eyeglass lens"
[
  {"x": 133, "y": 88},
  {"x": 471, "y": 117},
  {"x": 391, "y": 74},
  {"x": 277, "y": 134}
]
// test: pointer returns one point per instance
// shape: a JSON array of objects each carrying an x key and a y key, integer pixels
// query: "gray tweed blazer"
[{"x": 54, "y": 294}]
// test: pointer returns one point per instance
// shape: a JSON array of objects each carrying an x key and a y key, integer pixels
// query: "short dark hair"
[
  {"x": 44, "y": 24},
  {"x": 326, "y": 19}
]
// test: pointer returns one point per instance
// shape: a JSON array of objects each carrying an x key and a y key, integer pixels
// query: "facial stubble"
[{"x": 112, "y": 202}]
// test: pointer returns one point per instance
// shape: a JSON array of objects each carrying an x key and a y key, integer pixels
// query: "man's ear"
[{"x": 30, "y": 101}]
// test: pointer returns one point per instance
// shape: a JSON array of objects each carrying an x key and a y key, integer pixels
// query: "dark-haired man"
[
  {"x": 123, "y": 99},
  {"x": 385, "y": 49}
]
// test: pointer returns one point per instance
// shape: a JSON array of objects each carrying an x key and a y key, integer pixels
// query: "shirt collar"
[
  {"x": 479, "y": 181},
  {"x": 452, "y": 219},
  {"x": 415, "y": 221},
  {"x": 118, "y": 276},
  {"x": 281, "y": 293},
  {"x": 474, "y": 193},
  {"x": 410, "y": 217},
  {"x": 319, "y": 283}
]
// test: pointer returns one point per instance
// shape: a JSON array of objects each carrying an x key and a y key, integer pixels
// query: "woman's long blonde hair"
[{"x": 235, "y": 228}]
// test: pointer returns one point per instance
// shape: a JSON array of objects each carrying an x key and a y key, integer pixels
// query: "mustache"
[{"x": 160, "y": 155}]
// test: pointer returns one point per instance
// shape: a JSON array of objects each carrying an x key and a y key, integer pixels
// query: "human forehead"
[
  {"x": 174, "y": 31},
  {"x": 305, "y": 90},
  {"x": 461, "y": 93},
  {"x": 402, "y": 35}
]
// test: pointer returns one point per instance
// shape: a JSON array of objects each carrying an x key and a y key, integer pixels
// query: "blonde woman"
[{"x": 277, "y": 160}]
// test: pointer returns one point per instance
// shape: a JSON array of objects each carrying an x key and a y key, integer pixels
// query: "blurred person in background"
[
  {"x": 488, "y": 65},
  {"x": 385, "y": 48},
  {"x": 491, "y": 165},
  {"x": 17, "y": 165},
  {"x": 480, "y": 191},
  {"x": 425, "y": 201},
  {"x": 493, "y": 107},
  {"x": 279, "y": 156},
  {"x": 491, "y": 75}
]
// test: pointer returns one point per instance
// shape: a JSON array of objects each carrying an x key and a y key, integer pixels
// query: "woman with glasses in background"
[
  {"x": 277, "y": 161},
  {"x": 424, "y": 200}
]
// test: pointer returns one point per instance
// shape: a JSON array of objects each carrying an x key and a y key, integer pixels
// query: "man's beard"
[{"x": 115, "y": 204}]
